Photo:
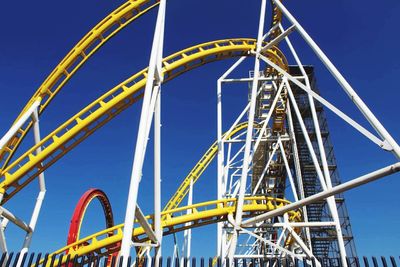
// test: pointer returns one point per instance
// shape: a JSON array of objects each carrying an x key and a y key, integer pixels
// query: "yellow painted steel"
[
  {"x": 82, "y": 51},
  {"x": 19, "y": 173},
  {"x": 276, "y": 19},
  {"x": 24, "y": 169},
  {"x": 176, "y": 220}
]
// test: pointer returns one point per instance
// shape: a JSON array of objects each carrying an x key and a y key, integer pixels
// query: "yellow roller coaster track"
[
  {"x": 19, "y": 173},
  {"x": 176, "y": 220},
  {"x": 82, "y": 51},
  {"x": 24, "y": 169}
]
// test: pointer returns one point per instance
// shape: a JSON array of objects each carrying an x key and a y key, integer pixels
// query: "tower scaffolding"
[
  {"x": 279, "y": 193},
  {"x": 324, "y": 241}
]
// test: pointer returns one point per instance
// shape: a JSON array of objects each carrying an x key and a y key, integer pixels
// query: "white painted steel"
[
  {"x": 375, "y": 123},
  {"x": 187, "y": 234},
  {"x": 157, "y": 176},
  {"x": 299, "y": 176},
  {"x": 142, "y": 137},
  {"x": 41, "y": 194},
  {"x": 249, "y": 135},
  {"x": 220, "y": 155},
  {"x": 321, "y": 148},
  {"x": 331, "y": 107},
  {"x": 18, "y": 124},
  {"x": 281, "y": 36},
  {"x": 367, "y": 178},
  {"x": 288, "y": 171},
  {"x": 145, "y": 224},
  {"x": 266, "y": 168},
  {"x": 14, "y": 219}
]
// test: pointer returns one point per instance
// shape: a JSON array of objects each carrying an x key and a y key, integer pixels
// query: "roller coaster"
[{"x": 269, "y": 154}]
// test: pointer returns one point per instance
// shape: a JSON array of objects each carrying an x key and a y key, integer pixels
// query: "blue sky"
[{"x": 359, "y": 36}]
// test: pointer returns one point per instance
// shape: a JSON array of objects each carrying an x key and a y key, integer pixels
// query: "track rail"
[
  {"x": 23, "y": 170},
  {"x": 18, "y": 174},
  {"x": 80, "y": 210},
  {"x": 77, "y": 57},
  {"x": 80, "y": 53},
  {"x": 176, "y": 220}
]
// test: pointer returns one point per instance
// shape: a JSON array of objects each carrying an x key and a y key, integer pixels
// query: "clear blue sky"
[{"x": 359, "y": 36}]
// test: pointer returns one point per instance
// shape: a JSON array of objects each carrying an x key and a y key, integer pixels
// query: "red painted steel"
[{"x": 79, "y": 213}]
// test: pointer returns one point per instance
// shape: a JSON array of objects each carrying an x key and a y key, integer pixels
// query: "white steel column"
[
  {"x": 325, "y": 167},
  {"x": 157, "y": 177},
  {"x": 187, "y": 235},
  {"x": 219, "y": 126},
  {"x": 42, "y": 192},
  {"x": 3, "y": 243},
  {"x": 220, "y": 157},
  {"x": 331, "y": 200},
  {"x": 176, "y": 249},
  {"x": 271, "y": 156},
  {"x": 142, "y": 137},
  {"x": 292, "y": 185},
  {"x": 157, "y": 148},
  {"x": 299, "y": 176},
  {"x": 249, "y": 134},
  {"x": 375, "y": 123}
]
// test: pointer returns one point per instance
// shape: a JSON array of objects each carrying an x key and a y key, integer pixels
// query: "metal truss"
[
  {"x": 266, "y": 163},
  {"x": 259, "y": 158}
]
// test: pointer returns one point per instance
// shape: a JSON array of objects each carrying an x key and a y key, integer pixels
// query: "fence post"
[
  {"x": 16, "y": 259},
  {"x": 348, "y": 261},
  {"x": 393, "y": 261},
  {"x": 357, "y": 260},
  {"x": 31, "y": 259},
  {"x": 366, "y": 264},
  {"x": 313, "y": 262},
  {"x": 296, "y": 262},
  {"x": 304, "y": 262},
  {"x": 375, "y": 262},
  {"x": 60, "y": 258}
]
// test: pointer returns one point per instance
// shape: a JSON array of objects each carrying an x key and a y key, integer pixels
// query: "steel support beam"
[
  {"x": 321, "y": 148},
  {"x": 375, "y": 123},
  {"x": 249, "y": 135},
  {"x": 367, "y": 178},
  {"x": 142, "y": 137},
  {"x": 145, "y": 224},
  {"x": 157, "y": 176}
]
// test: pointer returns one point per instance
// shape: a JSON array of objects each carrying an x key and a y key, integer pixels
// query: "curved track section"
[
  {"x": 15, "y": 176},
  {"x": 23, "y": 170},
  {"x": 80, "y": 209},
  {"x": 176, "y": 220},
  {"x": 79, "y": 213},
  {"x": 82, "y": 51}
]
